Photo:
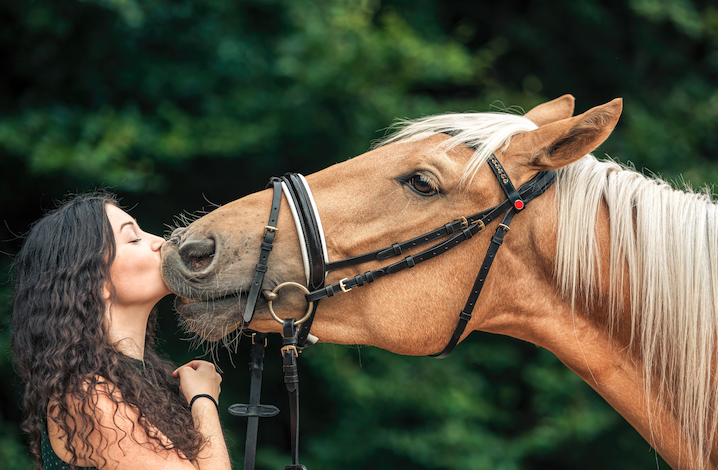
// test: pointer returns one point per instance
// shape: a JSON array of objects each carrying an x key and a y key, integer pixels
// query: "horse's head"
[{"x": 419, "y": 180}]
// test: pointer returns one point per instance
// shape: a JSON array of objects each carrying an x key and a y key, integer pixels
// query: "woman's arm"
[
  {"x": 196, "y": 378},
  {"x": 120, "y": 442}
]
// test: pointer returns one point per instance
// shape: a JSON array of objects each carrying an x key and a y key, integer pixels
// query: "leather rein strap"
[{"x": 270, "y": 232}]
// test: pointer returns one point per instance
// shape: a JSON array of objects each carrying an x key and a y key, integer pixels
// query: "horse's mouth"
[{"x": 212, "y": 318}]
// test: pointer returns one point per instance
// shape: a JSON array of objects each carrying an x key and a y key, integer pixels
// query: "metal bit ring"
[{"x": 309, "y": 307}]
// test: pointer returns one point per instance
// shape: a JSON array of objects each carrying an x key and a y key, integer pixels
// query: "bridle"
[{"x": 296, "y": 333}]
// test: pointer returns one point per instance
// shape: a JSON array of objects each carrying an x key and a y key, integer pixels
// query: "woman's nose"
[{"x": 156, "y": 242}]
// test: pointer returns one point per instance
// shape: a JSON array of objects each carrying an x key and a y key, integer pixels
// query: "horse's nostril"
[
  {"x": 176, "y": 235},
  {"x": 197, "y": 254}
]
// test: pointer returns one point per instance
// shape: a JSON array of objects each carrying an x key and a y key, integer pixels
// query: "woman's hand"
[
  {"x": 198, "y": 377},
  {"x": 201, "y": 377}
]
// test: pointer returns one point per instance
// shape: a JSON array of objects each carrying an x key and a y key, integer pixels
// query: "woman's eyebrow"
[{"x": 129, "y": 222}]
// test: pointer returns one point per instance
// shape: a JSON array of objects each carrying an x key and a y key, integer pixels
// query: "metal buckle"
[
  {"x": 343, "y": 286},
  {"x": 465, "y": 223},
  {"x": 505, "y": 227},
  {"x": 290, "y": 348},
  {"x": 265, "y": 339},
  {"x": 269, "y": 228}
]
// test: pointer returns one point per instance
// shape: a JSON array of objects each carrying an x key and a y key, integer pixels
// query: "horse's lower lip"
[
  {"x": 236, "y": 296},
  {"x": 224, "y": 306}
]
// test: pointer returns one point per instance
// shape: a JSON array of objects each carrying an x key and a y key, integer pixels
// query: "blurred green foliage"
[{"x": 170, "y": 101}]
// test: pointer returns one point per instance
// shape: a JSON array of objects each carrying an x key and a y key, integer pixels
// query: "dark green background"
[{"x": 176, "y": 104}]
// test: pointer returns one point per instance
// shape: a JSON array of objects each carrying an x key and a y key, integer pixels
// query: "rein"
[{"x": 296, "y": 333}]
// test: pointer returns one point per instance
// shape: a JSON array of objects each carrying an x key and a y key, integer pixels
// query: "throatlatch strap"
[
  {"x": 254, "y": 410},
  {"x": 496, "y": 241},
  {"x": 270, "y": 232}
]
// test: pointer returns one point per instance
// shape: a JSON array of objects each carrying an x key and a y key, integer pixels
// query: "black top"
[{"x": 50, "y": 460}]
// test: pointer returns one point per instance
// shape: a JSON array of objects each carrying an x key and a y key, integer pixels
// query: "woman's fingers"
[
  {"x": 198, "y": 377},
  {"x": 192, "y": 365}
]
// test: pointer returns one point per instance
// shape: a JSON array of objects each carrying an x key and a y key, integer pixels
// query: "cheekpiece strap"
[{"x": 270, "y": 233}]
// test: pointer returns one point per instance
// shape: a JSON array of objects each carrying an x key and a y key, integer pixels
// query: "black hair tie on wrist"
[{"x": 203, "y": 395}]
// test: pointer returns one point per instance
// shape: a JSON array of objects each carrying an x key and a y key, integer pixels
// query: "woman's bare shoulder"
[{"x": 113, "y": 435}]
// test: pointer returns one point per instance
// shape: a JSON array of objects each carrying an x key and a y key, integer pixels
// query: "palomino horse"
[{"x": 613, "y": 272}]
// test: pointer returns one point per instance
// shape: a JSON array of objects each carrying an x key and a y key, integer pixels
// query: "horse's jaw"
[{"x": 210, "y": 268}]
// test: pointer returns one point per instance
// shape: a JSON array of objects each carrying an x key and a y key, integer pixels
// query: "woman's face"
[{"x": 135, "y": 272}]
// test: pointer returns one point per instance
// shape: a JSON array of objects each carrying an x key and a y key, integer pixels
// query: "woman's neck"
[{"x": 126, "y": 330}]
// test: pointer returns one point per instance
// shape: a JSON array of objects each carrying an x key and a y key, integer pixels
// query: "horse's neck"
[
  {"x": 593, "y": 344},
  {"x": 586, "y": 346}
]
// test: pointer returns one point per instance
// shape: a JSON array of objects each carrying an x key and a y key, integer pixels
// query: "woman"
[{"x": 96, "y": 393}]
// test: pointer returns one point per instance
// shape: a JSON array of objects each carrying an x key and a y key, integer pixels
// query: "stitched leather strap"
[
  {"x": 408, "y": 262},
  {"x": 291, "y": 380},
  {"x": 477, "y": 222},
  {"x": 506, "y": 183},
  {"x": 310, "y": 230},
  {"x": 313, "y": 243},
  {"x": 254, "y": 410},
  {"x": 270, "y": 232},
  {"x": 533, "y": 188},
  {"x": 303, "y": 333},
  {"x": 465, "y": 315}
]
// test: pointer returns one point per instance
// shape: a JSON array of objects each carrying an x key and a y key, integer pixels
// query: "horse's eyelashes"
[{"x": 422, "y": 185}]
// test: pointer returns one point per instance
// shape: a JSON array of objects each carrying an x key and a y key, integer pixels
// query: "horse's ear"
[
  {"x": 559, "y": 143},
  {"x": 552, "y": 111}
]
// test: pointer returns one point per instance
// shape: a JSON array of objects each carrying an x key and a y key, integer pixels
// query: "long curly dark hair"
[{"x": 60, "y": 342}]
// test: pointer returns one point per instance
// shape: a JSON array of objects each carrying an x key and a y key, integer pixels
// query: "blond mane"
[{"x": 664, "y": 239}]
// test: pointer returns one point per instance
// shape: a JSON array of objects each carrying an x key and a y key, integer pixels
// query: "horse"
[{"x": 614, "y": 272}]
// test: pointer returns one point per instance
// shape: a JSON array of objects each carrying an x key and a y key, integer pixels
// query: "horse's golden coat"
[{"x": 366, "y": 204}]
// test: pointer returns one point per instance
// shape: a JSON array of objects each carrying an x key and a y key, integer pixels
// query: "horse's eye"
[{"x": 422, "y": 185}]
